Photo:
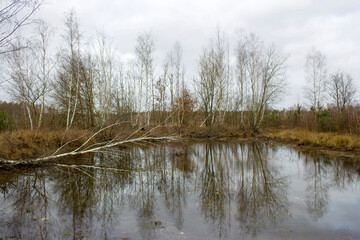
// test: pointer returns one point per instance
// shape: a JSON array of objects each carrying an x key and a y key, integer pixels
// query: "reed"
[{"x": 318, "y": 139}]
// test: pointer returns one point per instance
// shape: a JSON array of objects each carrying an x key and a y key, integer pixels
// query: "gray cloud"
[{"x": 296, "y": 26}]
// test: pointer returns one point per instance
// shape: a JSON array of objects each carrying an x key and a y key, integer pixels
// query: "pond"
[{"x": 201, "y": 190}]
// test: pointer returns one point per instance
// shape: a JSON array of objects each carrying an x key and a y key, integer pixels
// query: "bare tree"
[
  {"x": 185, "y": 105},
  {"x": 261, "y": 77},
  {"x": 30, "y": 73},
  {"x": 14, "y": 14},
  {"x": 67, "y": 87},
  {"x": 105, "y": 59},
  {"x": 133, "y": 86},
  {"x": 24, "y": 87},
  {"x": 316, "y": 78},
  {"x": 45, "y": 64},
  {"x": 161, "y": 93},
  {"x": 144, "y": 54},
  {"x": 206, "y": 85},
  {"x": 87, "y": 92},
  {"x": 221, "y": 45},
  {"x": 213, "y": 84},
  {"x": 241, "y": 73},
  {"x": 341, "y": 89},
  {"x": 124, "y": 92},
  {"x": 175, "y": 76}
]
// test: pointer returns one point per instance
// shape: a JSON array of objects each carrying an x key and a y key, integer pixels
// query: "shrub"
[
  {"x": 6, "y": 122},
  {"x": 325, "y": 120},
  {"x": 272, "y": 119}
]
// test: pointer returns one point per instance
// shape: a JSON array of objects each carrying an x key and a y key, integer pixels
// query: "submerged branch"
[{"x": 97, "y": 167}]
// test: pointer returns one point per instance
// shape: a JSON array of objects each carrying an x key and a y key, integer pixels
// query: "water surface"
[{"x": 207, "y": 190}]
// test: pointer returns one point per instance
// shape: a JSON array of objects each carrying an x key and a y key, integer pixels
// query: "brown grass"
[
  {"x": 318, "y": 139},
  {"x": 25, "y": 144}
]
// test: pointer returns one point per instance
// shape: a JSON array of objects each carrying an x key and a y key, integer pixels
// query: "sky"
[{"x": 331, "y": 26}]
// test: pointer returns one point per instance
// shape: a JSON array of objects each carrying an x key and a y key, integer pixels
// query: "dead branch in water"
[
  {"x": 97, "y": 167},
  {"x": 87, "y": 150}
]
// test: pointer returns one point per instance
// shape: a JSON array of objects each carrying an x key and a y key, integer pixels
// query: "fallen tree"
[
  {"x": 84, "y": 148},
  {"x": 78, "y": 152}
]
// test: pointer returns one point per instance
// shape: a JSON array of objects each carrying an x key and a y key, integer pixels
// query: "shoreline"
[
  {"x": 316, "y": 140},
  {"x": 23, "y": 146}
]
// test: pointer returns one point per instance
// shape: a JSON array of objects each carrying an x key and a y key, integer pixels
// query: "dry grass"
[
  {"x": 26, "y": 144},
  {"x": 30, "y": 144},
  {"x": 316, "y": 139}
]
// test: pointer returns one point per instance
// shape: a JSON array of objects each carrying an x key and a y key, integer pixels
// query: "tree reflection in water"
[
  {"x": 25, "y": 213},
  {"x": 172, "y": 182},
  {"x": 322, "y": 174},
  {"x": 232, "y": 189},
  {"x": 240, "y": 173},
  {"x": 262, "y": 192},
  {"x": 317, "y": 188},
  {"x": 213, "y": 185}
]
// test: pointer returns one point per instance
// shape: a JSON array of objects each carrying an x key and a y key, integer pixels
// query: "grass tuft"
[{"x": 318, "y": 139}]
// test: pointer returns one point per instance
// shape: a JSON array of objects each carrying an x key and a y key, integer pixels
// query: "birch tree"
[
  {"x": 206, "y": 85},
  {"x": 124, "y": 94},
  {"x": 30, "y": 74},
  {"x": 133, "y": 80},
  {"x": 261, "y": 77},
  {"x": 87, "y": 91},
  {"x": 316, "y": 69},
  {"x": 212, "y": 86},
  {"x": 67, "y": 86},
  {"x": 175, "y": 74},
  {"x": 341, "y": 89},
  {"x": 24, "y": 87},
  {"x": 44, "y": 64},
  {"x": 105, "y": 61},
  {"x": 222, "y": 61},
  {"x": 161, "y": 92},
  {"x": 145, "y": 61},
  {"x": 241, "y": 75}
]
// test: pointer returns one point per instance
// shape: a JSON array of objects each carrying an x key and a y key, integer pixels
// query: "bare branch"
[{"x": 13, "y": 16}]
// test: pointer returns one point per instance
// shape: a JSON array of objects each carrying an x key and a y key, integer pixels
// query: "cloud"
[{"x": 329, "y": 25}]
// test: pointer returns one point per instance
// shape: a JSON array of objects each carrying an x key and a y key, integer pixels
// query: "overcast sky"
[{"x": 332, "y": 26}]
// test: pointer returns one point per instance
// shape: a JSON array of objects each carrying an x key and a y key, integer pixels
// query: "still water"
[{"x": 207, "y": 190}]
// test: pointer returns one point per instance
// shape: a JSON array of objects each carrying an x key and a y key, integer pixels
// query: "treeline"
[
  {"x": 86, "y": 86},
  {"x": 329, "y": 119},
  {"x": 331, "y": 98}
]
